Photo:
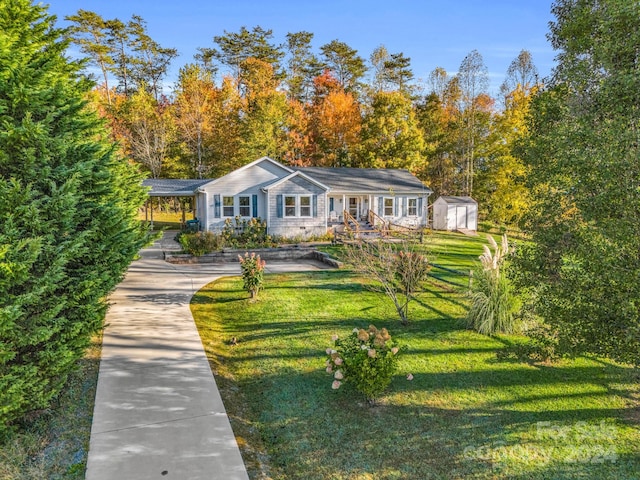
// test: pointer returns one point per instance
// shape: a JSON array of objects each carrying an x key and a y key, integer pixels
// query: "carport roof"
[{"x": 173, "y": 187}]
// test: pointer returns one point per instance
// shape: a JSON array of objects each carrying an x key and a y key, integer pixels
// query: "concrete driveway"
[{"x": 158, "y": 412}]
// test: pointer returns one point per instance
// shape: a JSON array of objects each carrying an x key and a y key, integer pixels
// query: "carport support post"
[
  {"x": 184, "y": 220},
  {"x": 151, "y": 203}
]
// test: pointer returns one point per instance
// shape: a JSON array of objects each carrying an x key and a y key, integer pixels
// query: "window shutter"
[
  {"x": 254, "y": 202},
  {"x": 396, "y": 206},
  {"x": 315, "y": 205},
  {"x": 404, "y": 206},
  {"x": 331, "y": 204},
  {"x": 279, "y": 202},
  {"x": 419, "y": 212},
  {"x": 216, "y": 203},
  {"x": 380, "y": 206}
]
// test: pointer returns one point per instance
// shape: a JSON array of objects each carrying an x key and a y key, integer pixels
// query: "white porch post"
[{"x": 345, "y": 207}]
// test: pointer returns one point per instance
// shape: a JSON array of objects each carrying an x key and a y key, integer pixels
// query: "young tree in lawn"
[
  {"x": 400, "y": 270},
  {"x": 583, "y": 260},
  {"x": 68, "y": 205}
]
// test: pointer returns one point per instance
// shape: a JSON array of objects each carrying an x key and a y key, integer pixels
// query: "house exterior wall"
[
  {"x": 398, "y": 213},
  {"x": 296, "y": 226},
  {"x": 243, "y": 182}
]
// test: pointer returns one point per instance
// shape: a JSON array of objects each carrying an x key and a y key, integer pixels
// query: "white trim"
[
  {"x": 296, "y": 174},
  {"x": 297, "y": 206},
  {"x": 223, "y": 206},
  {"x": 384, "y": 206},
  {"x": 249, "y": 165},
  {"x": 244, "y": 206}
]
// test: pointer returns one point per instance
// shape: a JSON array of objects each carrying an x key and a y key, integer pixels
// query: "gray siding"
[
  {"x": 297, "y": 226},
  {"x": 248, "y": 181}
]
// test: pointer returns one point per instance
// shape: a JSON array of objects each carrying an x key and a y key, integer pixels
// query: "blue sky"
[{"x": 432, "y": 33}]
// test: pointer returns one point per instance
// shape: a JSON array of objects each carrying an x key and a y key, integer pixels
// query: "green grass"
[
  {"x": 53, "y": 443},
  {"x": 465, "y": 414}
]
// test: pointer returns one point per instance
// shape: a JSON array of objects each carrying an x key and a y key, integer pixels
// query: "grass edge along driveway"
[{"x": 464, "y": 415}]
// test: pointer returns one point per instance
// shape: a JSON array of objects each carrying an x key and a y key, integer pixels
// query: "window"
[
  {"x": 412, "y": 207},
  {"x": 388, "y": 207},
  {"x": 289, "y": 206},
  {"x": 245, "y": 206},
  {"x": 227, "y": 207},
  {"x": 305, "y": 206}
]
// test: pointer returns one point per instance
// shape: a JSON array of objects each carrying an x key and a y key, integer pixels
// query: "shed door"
[{"x": 461, "y": 216}]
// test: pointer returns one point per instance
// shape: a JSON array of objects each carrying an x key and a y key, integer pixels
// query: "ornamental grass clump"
[
  {"x": 252, "y": 273},
  {"x": 367, "y": 359},
  {"x": 493, "y": 301}
]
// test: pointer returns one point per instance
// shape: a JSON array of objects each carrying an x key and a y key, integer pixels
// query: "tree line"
[{"x": 247, "y": 96}]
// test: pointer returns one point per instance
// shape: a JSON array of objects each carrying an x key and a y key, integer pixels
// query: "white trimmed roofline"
[
  {"x": 248, "y": 165},
  {"x": 296, "y": 174}
]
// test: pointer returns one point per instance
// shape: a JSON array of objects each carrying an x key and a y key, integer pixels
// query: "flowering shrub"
[
  {"x": 252, "y": 272},
  {"x": 366, "y": 358}
]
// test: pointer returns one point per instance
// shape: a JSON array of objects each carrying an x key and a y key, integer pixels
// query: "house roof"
[
  {"x": 365, "y": 180},
  {"x": 456, "y": 200},
  {"x": 296, "y": 174},
  {"x": 173, "y": 187}
]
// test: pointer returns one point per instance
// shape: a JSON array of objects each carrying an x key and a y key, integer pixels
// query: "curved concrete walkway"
[{"x": 158, "y": 412}]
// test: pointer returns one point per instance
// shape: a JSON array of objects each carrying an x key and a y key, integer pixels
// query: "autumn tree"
[
  {"x": 582, "y": 150},
  {"x": 265, "y": 111},
  {"x": 68, "y": 205},
  {"x": 148, "y": 130},
  {"x": 522, "y": 73},
  {"x": 335, "y": 123},
  {"x": 391, "y": 137},
  {"x": 377, "y": 59},
  {"x": 194, "y": 109}
]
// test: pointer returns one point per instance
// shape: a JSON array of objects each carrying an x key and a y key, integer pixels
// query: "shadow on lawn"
[{"x": 312, "y": 431}]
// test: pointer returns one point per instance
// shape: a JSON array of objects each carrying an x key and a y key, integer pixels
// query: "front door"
[{"x": 353, "y": 206}]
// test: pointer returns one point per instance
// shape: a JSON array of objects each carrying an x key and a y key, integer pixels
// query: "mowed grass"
[{"x": 464, "y": 415}]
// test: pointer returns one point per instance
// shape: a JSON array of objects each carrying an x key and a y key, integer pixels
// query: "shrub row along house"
[{"x": 302, "y": 202}]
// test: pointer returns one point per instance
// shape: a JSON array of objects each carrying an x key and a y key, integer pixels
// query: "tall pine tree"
[{"x": 67, "y": 212}]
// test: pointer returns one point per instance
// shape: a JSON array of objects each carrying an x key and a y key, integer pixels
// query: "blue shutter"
[
  {"x": 216, "y": 202},
  {"x": 419, "y": 212},
  {"x": 315, "y": 205},
  {"x": 254, "y": 200},
  {"x": 404, "y": 206},
  {"x": 279, "y": 201},
  {"x": 380, "y": 206},
  {"x": 331, "y": 204},
  {"x": 396, "y": 206}
]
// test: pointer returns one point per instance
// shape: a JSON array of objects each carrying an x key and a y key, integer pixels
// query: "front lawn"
[{"x": 464, "y": 415}]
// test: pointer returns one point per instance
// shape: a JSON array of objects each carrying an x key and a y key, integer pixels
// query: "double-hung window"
[
  {"x": 388, "y": 207},
  {"x": 305, "y": 205},
  {"x": 412, "y": 207},
  {"x": 228, "y": 207},
  {"x": 244, "y": 202},
  {"x": 289, "y": 206}
]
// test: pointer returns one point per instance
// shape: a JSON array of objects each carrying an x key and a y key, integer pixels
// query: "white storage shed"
[{"x": 455, "y": 213}]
